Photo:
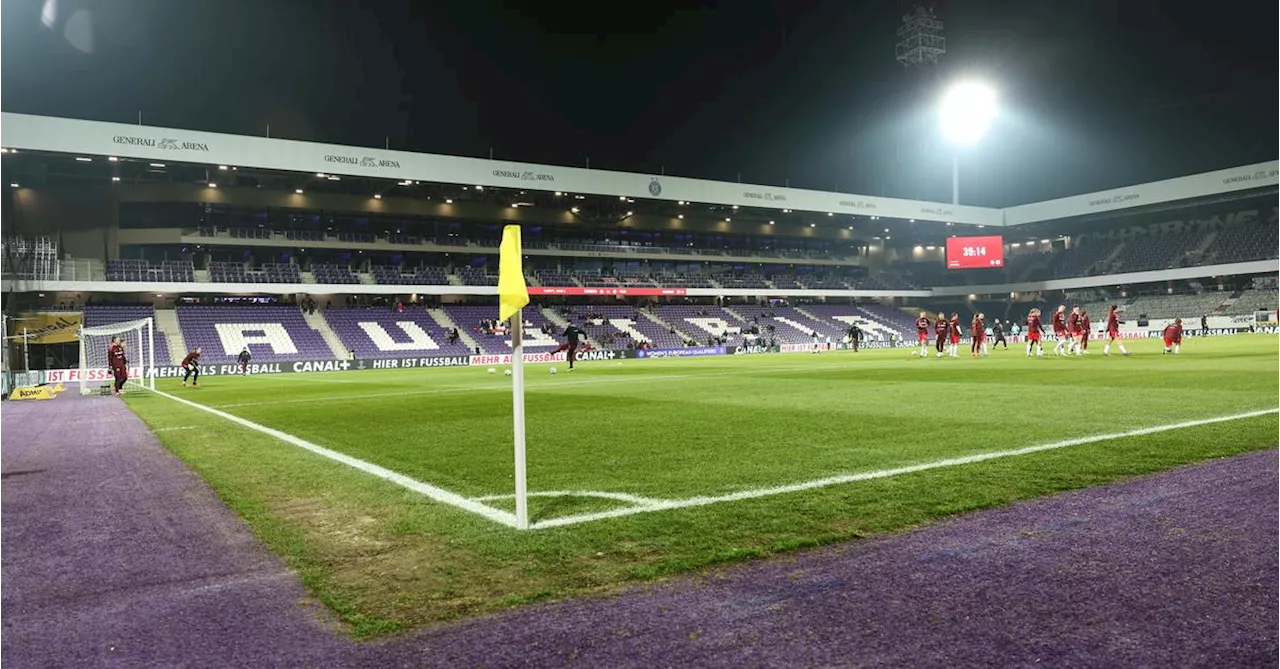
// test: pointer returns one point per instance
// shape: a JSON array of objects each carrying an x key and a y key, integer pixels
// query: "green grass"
[{"x": 385, "y": 558}]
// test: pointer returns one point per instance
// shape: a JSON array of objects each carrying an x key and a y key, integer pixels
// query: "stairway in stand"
[
  {"x": 686, "y": 338},
  {"x": 167, "y": 326},
  {"x": 561, "y": 323},
  {"x": 442, "y": 317},
  {"x": 317, "y": 322}
]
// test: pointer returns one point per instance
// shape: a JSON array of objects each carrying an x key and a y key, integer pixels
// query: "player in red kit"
[
  {"x": 1113, "y": 331},
  {"x": 118, "y": 363},
  {"x": 1060, "y": 329},
  {"x": 191, "y": 367},
  {"x": 978, "y": 328},
  {"x": 922, "y": 333},
  {"x": 1173, "y": 337},
  {"x": 1034, "y": 330},
  {"x": 1084, "y": 331},
  {"x": 1074, "y": 331},
  {"x": 953, "y": 327},
  {"x": 940, "y": 327}
]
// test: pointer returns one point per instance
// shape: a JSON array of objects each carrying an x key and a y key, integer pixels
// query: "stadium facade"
[{"x": 162, "y": 223}]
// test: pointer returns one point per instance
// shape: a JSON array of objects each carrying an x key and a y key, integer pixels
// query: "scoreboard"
[{"x": 973, "y": 252}]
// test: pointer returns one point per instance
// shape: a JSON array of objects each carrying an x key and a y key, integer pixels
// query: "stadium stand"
[
  {"x": 1161, "y": 306},
  {"x": 784, "y": 325},
  {"x": 234, "y": 272},
  {"x": 893, "y": 317},
  {"x": 613, "y": 326},
  {"x": 421, "y": 276},
  {"x": 615, "y": 280},
  {"x": 683, "y": 281},
  {"x": 477, "y": 276},
  {"x": 276, "y": 333},
  {"x": 625, "y": 324},
  {"x": 1244, "y": 243},
  {"x": 548, "y": 277},
  {"x": 379, "y": 332},
  {"x": 1082, "y": 259},
  {"x": 785, "y": 282},
  {"x": 1250, "y": 300},
  {"x": 833, "y": 321},
  {"x": 1154, "y": 252},
  {"x": 746, "y": 280},
  {"x": 473, "y": 319},
  {"x": 703, "y": 323},
  {"x": 337, "y": 274},
  {"x": 142, "y": 270}
]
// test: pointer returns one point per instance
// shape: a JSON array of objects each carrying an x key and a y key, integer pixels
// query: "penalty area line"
[
  {"x": 664, "y": 505},
  {"x": 434, "y": 492}
]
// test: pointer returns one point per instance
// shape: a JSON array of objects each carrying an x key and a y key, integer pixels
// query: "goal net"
[{"x": 138, "y": 338}]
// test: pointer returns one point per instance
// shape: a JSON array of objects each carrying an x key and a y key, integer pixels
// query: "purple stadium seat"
[
  {"x": 272, "y": 333},
  {"x": 380, "y": 332}
]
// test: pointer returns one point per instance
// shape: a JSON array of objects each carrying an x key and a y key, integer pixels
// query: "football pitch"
[{"x": 391, "y": 492}]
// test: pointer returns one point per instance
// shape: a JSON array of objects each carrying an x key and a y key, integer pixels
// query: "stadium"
[{"x": 753, "y": 385}]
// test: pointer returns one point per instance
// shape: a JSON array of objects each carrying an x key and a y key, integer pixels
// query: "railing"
[{"x": 395, "y": 239}]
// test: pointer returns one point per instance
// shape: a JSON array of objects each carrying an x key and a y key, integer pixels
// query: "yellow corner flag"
[{"x": 512, "y": 292}]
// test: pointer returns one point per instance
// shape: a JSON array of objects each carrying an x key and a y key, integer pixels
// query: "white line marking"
[
  {"x": 436, "y": 493},
  {"x": 170, "y": 429},
  {"x": 616, "y": 496},
  {"x": 884, "y": 473}
]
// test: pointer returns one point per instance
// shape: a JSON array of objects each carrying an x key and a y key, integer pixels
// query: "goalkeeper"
[
  {"x": 191, "y": 367},
  {"x": 244, "y": 359},
  {"x": 118, "y": 363}
]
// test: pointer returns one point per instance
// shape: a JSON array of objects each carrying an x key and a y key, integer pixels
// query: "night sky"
[{"x": 1094, "y": 94}]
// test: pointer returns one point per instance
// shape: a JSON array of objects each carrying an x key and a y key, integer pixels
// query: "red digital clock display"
[{"x": 973, "y": 252}]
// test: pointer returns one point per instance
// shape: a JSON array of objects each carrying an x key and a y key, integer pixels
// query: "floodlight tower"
[
  {"x": 919, "y": 48},
  {"x": 920, "y": 39}
]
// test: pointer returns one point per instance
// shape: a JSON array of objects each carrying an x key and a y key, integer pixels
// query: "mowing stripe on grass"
[
  {"x": 434, "y": 492},
  {"x": 305, "y": 378},
  {"x": 550, "y": 385},
  {"x": 415, "y": 393},
  {"x": 664, "y": 505}
]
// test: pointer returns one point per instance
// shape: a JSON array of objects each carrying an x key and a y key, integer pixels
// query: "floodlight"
[{"x": 967, "y": 111}]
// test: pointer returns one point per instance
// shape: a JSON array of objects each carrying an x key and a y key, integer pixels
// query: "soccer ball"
[
  {"x": 506, "y": 372},
  {"x": 553, "y": 370},
  {"x": 493, "y": 371}
]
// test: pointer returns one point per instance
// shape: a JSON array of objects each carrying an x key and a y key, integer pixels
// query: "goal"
[{"x": 139, "y": 349}]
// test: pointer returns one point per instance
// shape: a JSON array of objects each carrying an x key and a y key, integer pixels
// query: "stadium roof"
[{"x": 42, "y": 133}]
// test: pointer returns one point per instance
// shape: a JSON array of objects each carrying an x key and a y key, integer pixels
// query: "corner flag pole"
[
  {"x": 513, "y": 295},
  {"x": 517, "y": 406}
]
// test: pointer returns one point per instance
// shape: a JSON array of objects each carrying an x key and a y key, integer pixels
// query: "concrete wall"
[{"x": 85, "y": 220}]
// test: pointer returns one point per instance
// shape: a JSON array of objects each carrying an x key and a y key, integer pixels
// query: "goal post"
[{"x": 139, "y": 342}]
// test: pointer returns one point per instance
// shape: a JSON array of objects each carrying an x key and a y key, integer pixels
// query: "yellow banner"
[
  {"x": 37, "y": 393},
  {"x": 48, "y": 328}
]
